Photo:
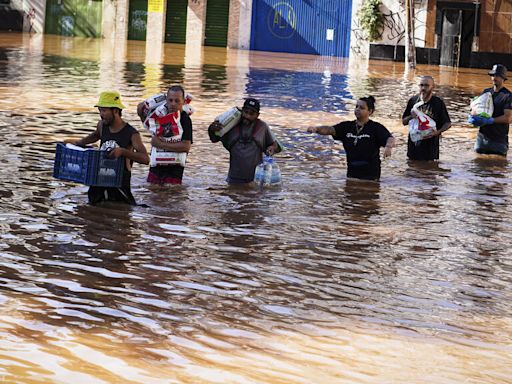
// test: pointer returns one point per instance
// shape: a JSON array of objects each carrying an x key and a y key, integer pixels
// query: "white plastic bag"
[
  {"x": 422, "y": 125},
  {"x": 482, "y": 105},
  {"x": 161, "y": 157}
]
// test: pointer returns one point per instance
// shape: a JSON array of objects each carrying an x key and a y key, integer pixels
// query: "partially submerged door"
[{"x": 451, "y": 37}]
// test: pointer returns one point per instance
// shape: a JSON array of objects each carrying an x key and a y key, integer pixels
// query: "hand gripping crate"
[{"x": 87, "y": 166}]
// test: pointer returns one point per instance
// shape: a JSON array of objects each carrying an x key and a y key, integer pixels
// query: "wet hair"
[
  {"x": 370, "y": 102},
  {"x": 176, "y": 88}
]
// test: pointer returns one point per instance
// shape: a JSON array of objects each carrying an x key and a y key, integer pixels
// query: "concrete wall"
[
  {"x": 359, "y": 46},
  {"x": 496, "y": 26},
  {"x": 394, "y": 30},
  {"x": 33, "y": 12}
]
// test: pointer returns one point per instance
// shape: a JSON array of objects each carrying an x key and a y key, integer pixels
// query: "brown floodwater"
[{"x": 323, "y": 280}]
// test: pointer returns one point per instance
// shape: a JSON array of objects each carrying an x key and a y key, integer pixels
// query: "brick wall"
[{"x": 496, "y": 26}]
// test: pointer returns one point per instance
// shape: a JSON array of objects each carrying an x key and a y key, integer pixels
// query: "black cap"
[
  {"x": 253, "y": 104},
  {"x": 499, "y": 70}
]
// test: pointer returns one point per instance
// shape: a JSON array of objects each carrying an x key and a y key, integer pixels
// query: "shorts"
[
  {"x": 165, "y": 175},
  {"x": 98, "y": 194},
  {"x": 364, "y": 170}
]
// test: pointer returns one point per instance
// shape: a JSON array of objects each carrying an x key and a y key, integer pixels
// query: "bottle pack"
[
  {"x": 267, "y": 172},
  {"x": 228, "y": 119}
]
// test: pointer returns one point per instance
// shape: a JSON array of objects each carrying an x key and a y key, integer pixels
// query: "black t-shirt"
[
  {"x": 362, "y": 148},
  {"x": 427, "y": 149},
  {"x": 502, "y": 100},
  {"x": 175, "y": 171},
  {"x": 109, "y": 141},
  {"x": 122, "y": 139}
]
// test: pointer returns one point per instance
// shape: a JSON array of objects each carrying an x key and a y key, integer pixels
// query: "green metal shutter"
[
  {"x": 176, "y": 21},
  {"x": 217, "y": 18},
  {"x": 137, "y": 19},
  {"x": 88, "y": 18},
  {"x": 74, "y": 17},
  {"x": 54, "y": 10}
]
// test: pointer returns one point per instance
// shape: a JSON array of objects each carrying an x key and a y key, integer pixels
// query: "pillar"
[
  {"x": 34, "y": 13},
  {"x": 196, "y": 21},
  {"x": 155, "y": 32},
  {"x": 114, "y": 23},
  {"x": 239, "y": 29}
]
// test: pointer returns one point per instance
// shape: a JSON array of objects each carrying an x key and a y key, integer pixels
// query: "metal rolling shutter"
[
  {"x": 217, "y": 19},
  {"x": 176, "y": 21}
]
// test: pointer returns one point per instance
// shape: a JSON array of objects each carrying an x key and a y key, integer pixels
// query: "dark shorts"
[
  {"x": 165, "y": 175},
  {"x": 364, "y": 170},
  {"x": 98, "y": 194},
  {"x": 488, "y": 147}
]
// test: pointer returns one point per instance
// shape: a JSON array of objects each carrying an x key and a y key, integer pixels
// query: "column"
[
  {"x": 115, "y": 19},
  {"x": 239, "y": 29},
  {"x": 34, "y": 13},
  {"x": 196, "y": 20},
  {"x": 156, "y": 22},
  {"x": 155, "y": 36},
  {"x": 114, "y": 30}
]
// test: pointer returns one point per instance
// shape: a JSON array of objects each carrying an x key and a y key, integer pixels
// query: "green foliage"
[{"x": 371, "y": 19}]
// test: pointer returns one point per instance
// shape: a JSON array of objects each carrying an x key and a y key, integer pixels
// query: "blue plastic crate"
[{"x": 89, "y": 167}]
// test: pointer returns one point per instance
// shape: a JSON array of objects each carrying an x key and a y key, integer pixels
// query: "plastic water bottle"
[
  {"x": 275, "y": 179},
  {"x": 267, "y": 176},
  {"x": 259, "y": 173}
]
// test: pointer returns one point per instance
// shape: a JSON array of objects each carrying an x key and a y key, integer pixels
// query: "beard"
[
  {"x": 246, "y": 122},
  {"x": 425, "y": 95}
]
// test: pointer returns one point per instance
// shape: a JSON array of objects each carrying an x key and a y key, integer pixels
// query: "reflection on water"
[{"x": 323, "y": 280}]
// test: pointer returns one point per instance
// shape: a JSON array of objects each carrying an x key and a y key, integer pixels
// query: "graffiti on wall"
[
  {"x": 281, "y": 20},
  {"x": 139, "y": 22},
  {"x": 394, "y": 27}
]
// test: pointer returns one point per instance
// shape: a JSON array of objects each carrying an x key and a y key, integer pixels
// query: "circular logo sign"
[{"x": 281, "y": 20}]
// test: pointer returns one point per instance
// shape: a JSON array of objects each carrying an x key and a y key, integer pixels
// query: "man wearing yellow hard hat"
[{"x": 121, "y": 140}]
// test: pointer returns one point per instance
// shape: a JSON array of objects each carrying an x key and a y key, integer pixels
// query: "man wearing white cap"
[{"x": 492, "y": 136}]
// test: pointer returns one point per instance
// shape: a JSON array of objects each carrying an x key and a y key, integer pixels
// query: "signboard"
[{"x": 156, "y": 6}]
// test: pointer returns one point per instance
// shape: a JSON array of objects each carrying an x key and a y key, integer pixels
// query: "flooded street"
[{"x": 323, "y": 280}]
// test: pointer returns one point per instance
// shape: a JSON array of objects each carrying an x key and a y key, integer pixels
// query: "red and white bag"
[
  {"x": 422, "y": 125},
  {"x": 167, "y": 127}
]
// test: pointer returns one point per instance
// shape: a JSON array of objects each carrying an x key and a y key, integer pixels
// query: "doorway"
[{"x": 457, "y": 29}]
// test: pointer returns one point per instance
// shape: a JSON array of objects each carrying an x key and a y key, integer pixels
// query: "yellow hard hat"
[{"x": 110, "y": 99}]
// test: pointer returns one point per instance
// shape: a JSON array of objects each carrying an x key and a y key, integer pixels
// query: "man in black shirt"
[
  {"x": 434, "y": 107},
  {"x": 121, "y": 140},
  {"x": 493, "y": 132}
]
